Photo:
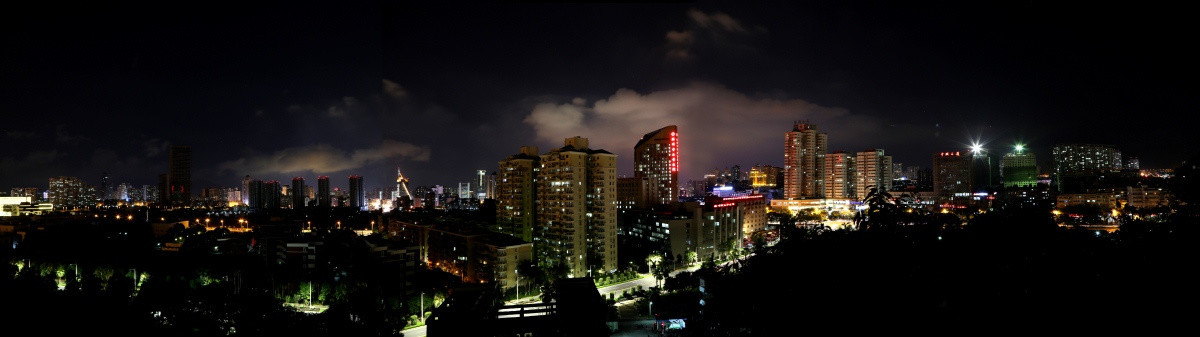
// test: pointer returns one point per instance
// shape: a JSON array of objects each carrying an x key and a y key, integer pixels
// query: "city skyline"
[{"x": 279, "y": 91}]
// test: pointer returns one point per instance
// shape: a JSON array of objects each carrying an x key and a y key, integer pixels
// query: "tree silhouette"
[{"x": 881, "y": 212}]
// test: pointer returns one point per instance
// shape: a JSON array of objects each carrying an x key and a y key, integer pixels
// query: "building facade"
[
  {"x": 357, "y": 198},
  {"x": 1018, "y": 169},
  {"x": 70, "y": 193},
  {"x": 873, "y": 169},
  {"x": 297, "y": 192},
  {"x": 516, "y": 193},
  {"x": 633, "y": 193},
  {"x": 179, "y": 176},
  {"x": 1082, "y": 158},
  {"x": 576, "y": 209},
  {"x": 839, "y": 175},
  {"x": 656, "y": 157},
  {"x": 803, "y": 162},
  {"x": 951, "y": 174}
]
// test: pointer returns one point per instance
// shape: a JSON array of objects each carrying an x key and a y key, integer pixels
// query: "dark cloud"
[
  {"x": 30, "y": 164},
  {"x": 155, "y": 147},
  {"x": 710, "y": 31},
  {"x": 14, "y": 134},
  {"x": 62, "y": 136}
]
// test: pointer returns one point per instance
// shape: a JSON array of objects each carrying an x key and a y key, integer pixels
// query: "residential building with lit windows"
[
  {"x": 576, "y": 209},
  {"x": 516, "y": 193},
  {"x": 1146, "y": 197},
  {"x": 475, "y": 255},
  {"x": 839, "y": 175},
  {"x": 706, "y": 229},
  {"x": 1081, "y": 158},
  {"x": 656, "y": 157},
  {"x": 1111, "y": 199},
  {"x": 872, "y": 169},
  {"x": 803, "y": 162},
  {"x": 70, "y": 193}
]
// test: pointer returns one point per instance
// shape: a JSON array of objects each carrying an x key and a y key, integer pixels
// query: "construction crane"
[{"x": 402, "y": 184}]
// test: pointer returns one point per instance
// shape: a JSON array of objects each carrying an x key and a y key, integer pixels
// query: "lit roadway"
[
  {"x": 415, "y": 332},
  {"x": 646, "y": 281}
]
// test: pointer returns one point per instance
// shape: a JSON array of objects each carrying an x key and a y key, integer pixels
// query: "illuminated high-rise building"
[
  {"x": 952, "y": 174},
  {"x": 872, "y": 169},
  {"x": 1082, "y": 158},
  {"x": 297, "y": 193},
  {"x": 839, "y": 175},
  {"x": 516, "y": 193},
  {"x": 576, "y": 222},
  {"x": 656, "y": 157},
  {"x": 804, "y": 162},
  {"x": 356, "y": 198},
  {"x": 1019, "y": 168},
  {"x": 179, "y": 176},
  {"x": 323, "y": 193},
  {"x": 70, "y": 193}
]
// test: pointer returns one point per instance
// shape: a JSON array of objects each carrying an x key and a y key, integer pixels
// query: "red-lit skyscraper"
[{"x": 656, "y": 157}]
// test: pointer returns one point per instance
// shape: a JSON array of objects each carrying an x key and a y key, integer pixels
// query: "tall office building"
[
  {"x": 1081, "y": 158},
  {"x": 803, "y": 162},
  {"x": 1132, "y": 163},
  {"x": 323, "y": 193},
  {"x": 839, "y": 176},
  {"x": 297, "y": 193},
  {"x": 952, "y": 174},
  {"x": 1018, "y": 168},
  {"x": 656, "y": 157},
  {"x": 576, "y": 209},
  {"x": 179, "y": 176},
  {"x": 70, "y": 193},
  {"x": 356, "y": 198},
  {"x": 873, "y": 169},
  {"x": 516, "y": 193}
]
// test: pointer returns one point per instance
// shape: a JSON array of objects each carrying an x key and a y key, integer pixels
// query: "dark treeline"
[{"x": 1005, "y": 269}]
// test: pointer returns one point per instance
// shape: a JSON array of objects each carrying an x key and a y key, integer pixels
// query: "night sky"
[{"x": 284, "y": 89}]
